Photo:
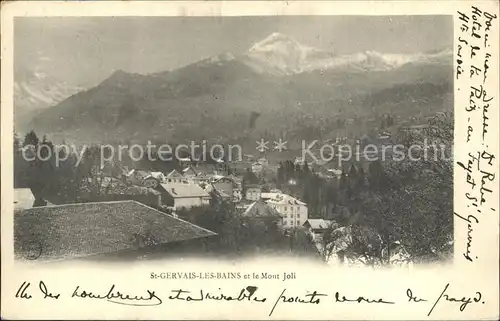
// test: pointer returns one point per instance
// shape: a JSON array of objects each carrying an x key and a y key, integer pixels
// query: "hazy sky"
[{"x": 85, "y": 50}]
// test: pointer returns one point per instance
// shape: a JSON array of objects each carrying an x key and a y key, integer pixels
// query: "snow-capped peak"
[
  {"x": 40, "y": 75},
  {"x": 279, "y": 43},
  {"x": 280, "y": 54},
  {"x": 35, "y": 89},
  {"x": 220, "y": 58}
]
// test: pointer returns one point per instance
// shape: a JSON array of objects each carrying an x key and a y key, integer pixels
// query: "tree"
[
  {"x": 377, "y": 176},
  {"x": 31, "y": 139},
  {"x": 344, "y": 182},
  {"x": 360, "y": 182},
  {"x": 22, "y": 168},
  {"x": 250, "y": 177},
  {"x": 46, "y": 150},
  {"x": 383, "y": 124},
  {"x": 389, "y": 121},
  {"x": 408, "y": 206},
  {"x": 306, "y": 168},
  {"x": 280, "y": 175},
  {"x": 301, "y": 241},
  {"x": 17, "y": 143},
  {"x": 220, "y": 218}
]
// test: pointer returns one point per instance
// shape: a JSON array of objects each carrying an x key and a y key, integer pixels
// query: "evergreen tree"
[
  {"x": 17, "y": 143},
  {"x": 377, "y": 177},
  {"x": 46, "y": 149},
  {"x": 280, "y": 175},
  {"x": 344, "y": 183},
  {"x": 306, "y": 167},
  {"x": 353, "y": 173},
  {"x": 250, "y": 177},
  {"x": 31, "y": 139},
  {"x": 353, "y": 177},
  {"x": 361, "y": 178},
  {"x": 389, "y": 121}
]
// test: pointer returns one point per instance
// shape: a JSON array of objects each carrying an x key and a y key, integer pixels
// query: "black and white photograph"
[
  {"x": 328, "y": 138},
  {"x": 250, "y": 160}
]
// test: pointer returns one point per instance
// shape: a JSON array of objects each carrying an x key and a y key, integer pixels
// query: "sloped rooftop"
[{"x": 86, "y": 229}]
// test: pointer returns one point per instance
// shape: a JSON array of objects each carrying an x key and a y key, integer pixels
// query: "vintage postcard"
[{"x": 250, "y": 160}]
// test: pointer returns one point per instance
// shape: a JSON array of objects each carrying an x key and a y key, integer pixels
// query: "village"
[
  {"x": 201, "y": 204},
  {"x": 179, "y": 192},
  {"x": 258, "y": 205}
]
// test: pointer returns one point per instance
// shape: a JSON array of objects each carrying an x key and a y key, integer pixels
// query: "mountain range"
[
  {"x": 34, "y": 90},
  {"x": 278, "y": 86}
]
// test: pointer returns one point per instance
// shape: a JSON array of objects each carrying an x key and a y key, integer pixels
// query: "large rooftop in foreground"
[{"x": 86, "y": 229}]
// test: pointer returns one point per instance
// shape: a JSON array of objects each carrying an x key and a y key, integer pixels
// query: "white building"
[
  {"x": 185, "y": 195},
  {"x": 257, "y": 167},
  {"x": 269, "y": 195},
  {"x": 189, "y": 173},
  {"x": 294, "y": 212},
  {"x": 174, "y": 177},
  {"x": 159, "y": 176},
  {"x": 237, "y": 194},
  {"x": 150, "y": 181},
  {"x": 318, "y": 226},
  {"x": 252, "y": 192},
  {"x": 263, "y": 161},
  {"x": 23, "y": 198}
]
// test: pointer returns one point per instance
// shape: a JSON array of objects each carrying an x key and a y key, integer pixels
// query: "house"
[
  {"x": 257, "y": 167},
  {"x": 268, "y": 195},
  {"x": 263, "y": 161},
  {"x": 415, "y": 129},
  {"x": 237, "y": 194},
  {"x": 23, "y": 198},
  {"x": 261, "y": 211},
  {"x": 136, "y": 176},
  {"x": 299, "y": 161},
  {"x": 385, "y": 135},
  {"x": 252, "y": 192},
  {"x": 398, "y": 254},
  {"x": 185, "y": 195},
  {"x": 238, "y": 181},
  {"x": 237, "y": 187},
  {"x": 248, "y": 157},
  {"x": 220, "y": 195},
  {"x": 215, "y": 177},
  {"x": 122, "y": 230},
  {"x": 184, "y": 161},
  {"x": 118, "y": 191},
  {"x": 335, "y": 174},
  {"x": 174, "y": 177},
  {"x": 243, "y": 205},
  {"x": 150, "y": 181},
  {"x": 201, "y": 178},
  {"x": 317, "y": 225},
  {"x": 189, "y": 173},
  {"x": 129, "y": 175},
  {"x": 294, "y": 212},
  {"x": 159, "y": 176},
  {"x": 225, "y": 184}
]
